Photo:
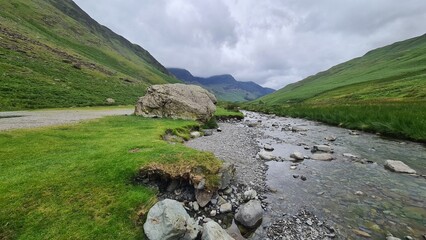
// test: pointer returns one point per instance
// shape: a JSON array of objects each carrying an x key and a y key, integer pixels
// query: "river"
[{"x": 353, "y": 193}]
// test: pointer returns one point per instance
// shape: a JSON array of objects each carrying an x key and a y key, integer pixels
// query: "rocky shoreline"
[
  {"x": 302, "y": 150},
  {"x": 237, "y": 144}
]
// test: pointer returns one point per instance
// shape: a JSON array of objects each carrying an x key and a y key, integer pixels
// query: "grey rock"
[
  {"x": 321, "y": 148},
  {"x": 226, "y": 207},
  {"x": 203, "y": 197},
  {"x": 213, "y": 213},
  {"x": 253, "y": 124},
  {"x": 219, "y": 129},
  {"x": 227, "y": 190},
  {"x": 299, "y": 129},
  {"x": 398, "y": 166},
  {"x": 250, "y": 194},
  {"x": 250, "y": 213},
  {"x": 195, "y": 206},
  {"x": 266, "y": 155},
  {"x": 213, "y": 231},
  {"x": 168, "y": 219},
  {"x": 195, "y": 134},
  {"x": 177, "y": 101},
  {"x": 322, "y": 157},
  {"x": 353, "y": 132},
  {"x": 359, "y": 193},
  {"x": 330, "y": 138},
  {"x": 297, "y": 156},
  {"x": 349, "y": 155},
  {"x": 268, "y": 147},
  {"x": 220, "y": 200}
]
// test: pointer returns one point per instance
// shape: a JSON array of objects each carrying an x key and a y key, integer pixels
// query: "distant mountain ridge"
[
  {"x": 53, "y": 54},
  {"x": 225, "y": 86}
]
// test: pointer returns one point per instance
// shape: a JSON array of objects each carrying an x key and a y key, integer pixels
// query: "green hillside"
[
  {"x": 52, "y": 54},
  {"x": 393, "y": 73},
  {"x": 382, "y": 92}
]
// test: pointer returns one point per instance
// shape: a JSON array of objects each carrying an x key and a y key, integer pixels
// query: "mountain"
[
  {"x": 53, "y": 54},
  {"x": 392, "y": 73},
  {"x": 225, "y": 87}
]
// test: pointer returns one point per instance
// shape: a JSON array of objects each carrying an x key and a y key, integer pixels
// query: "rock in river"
[
  {"x": 168, "y": 219},
  {"x": 297, "y": 156},
  {"x": 250, "y": 213},
  {"x": 399, "y": 167},
  {"x": 177, "y": 101},
  {"x": 322, "y": 156},
  {"x": 321, "y": 148},
  {"x": 266, "y": 155}
]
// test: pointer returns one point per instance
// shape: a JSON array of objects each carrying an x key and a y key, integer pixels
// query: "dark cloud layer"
[{"x": 271, "y": 42}]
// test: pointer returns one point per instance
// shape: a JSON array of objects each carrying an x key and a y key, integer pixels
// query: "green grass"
[
  {"x": 222, "y": 113},
  {"x": 75, "y": 181},
  {"x": 393, "y": 73},
  {"x": 384, "y": 91},
  {"x": 400, "y": 120},
  {"x": 42, "y": 40}
]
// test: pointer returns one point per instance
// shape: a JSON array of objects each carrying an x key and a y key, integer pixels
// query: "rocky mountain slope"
[{"x": 53, "y": 54}]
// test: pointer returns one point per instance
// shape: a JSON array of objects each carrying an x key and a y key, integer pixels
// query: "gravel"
[
  {"x": 33, "y": 119},
  {"x": 236, "y": 144}
]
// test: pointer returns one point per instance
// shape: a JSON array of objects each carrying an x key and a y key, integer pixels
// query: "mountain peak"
[{"x": 224, "y": 86}]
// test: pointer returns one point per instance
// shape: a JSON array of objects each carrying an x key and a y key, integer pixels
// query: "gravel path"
[{"x": 32, "y": 119}]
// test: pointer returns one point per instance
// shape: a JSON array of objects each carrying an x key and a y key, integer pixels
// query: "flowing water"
[{"x": 353, "y": 195}]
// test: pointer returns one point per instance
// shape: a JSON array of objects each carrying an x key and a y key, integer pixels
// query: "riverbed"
[{"x": 353, "y": 192}]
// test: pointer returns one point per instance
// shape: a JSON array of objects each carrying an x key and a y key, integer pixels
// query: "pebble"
[
  {"x": 361, "y": 233},
  {"x": 359, "y": 193}
]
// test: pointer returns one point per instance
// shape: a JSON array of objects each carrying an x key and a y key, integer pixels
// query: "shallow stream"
[{"x": 352, "y": 195}]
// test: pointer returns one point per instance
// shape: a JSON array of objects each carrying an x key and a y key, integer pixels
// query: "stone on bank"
[
  {"x": 168, "y": 219},
  {"x": 178, "y": 101}
]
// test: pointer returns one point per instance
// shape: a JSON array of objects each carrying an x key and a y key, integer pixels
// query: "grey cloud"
[{"x": 271, "y": 42}]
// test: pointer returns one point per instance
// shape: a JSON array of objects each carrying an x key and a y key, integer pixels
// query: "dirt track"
[{"x": 33, "y": 119}]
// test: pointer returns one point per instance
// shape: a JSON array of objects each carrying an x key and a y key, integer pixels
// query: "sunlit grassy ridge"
[
  {"x": 75, "y": 181},
  {"x": 384, "y": 91},
  {"x": 52, "y": 54}
]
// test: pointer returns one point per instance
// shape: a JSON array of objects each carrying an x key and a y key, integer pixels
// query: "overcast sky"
[{"x": 271, "y": 42}]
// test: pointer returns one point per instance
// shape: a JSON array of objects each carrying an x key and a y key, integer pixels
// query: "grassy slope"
[
  {"x": 42, "y": 41},
  {"x": 75, "y": 181},
  {"x": 383, "y": 91},
  {"x": 393, "y": 73}
]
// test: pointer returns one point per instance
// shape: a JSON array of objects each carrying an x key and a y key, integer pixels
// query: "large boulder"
[
  {"x": 181, "y": 101},
  {"x": 250, "y": 213},
  {"x": 168, "y": 219}
]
